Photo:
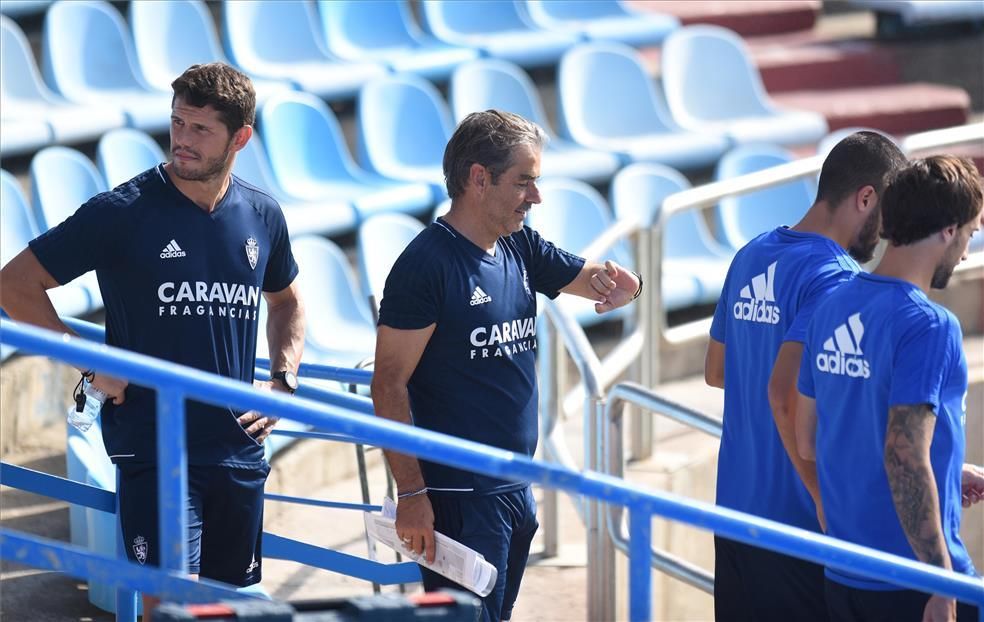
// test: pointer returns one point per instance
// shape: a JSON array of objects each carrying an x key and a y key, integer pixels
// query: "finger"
[
  {"x": 605, "y": 281},
  {"x": 257, "y": 427},
  {"x": 119, "y": 398},
  {"x": 611, "y": 268},
  {"x": 430, "y": 546}
]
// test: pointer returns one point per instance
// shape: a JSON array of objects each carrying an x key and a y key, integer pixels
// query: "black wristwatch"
[{"x": 286, "y": 378}]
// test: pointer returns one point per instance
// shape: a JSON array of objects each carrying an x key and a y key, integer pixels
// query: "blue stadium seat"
[
  {"x": 125, "y": 153},
  {"x": 62, "y": 180},
  {"x": 496, "y": 28},
  {"x": 311, "y": 161},
  {"x": 741, "y": 218},
  {"x": 22, "y": 8},
  {"x": 601, "y": 20},
  {"x": 571, "y": 216},
  {"x": 340, "y": 330},
  {"x": 18, "y": 227},
  {"x": 327, "y": 217},
  {"x": 381, "y": 240},
  {"x": 384, "y": 32},
  {"x": 88, "y": 56},
  {"x": 690, "y": 255},
  {"x": 712, "y": 83},
  {"x": 607, "y": 101},
  {"x": 489, "y": 83},
  {"x": 402, "y": 127},
  {"x": 171, "y": 36},
  {"x": 442, "y": 208},
  {"x": 32, "y": 115},
  {"x": 280, "y": 41}
]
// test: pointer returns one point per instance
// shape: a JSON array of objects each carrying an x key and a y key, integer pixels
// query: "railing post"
[
  {"x": 601, "y": 550},
  {"x": 549, "y": 412},
  {"x": 172, "y": 481},
  {"x": 650, "y": 311},
  {"x": 640, "y": 569}
]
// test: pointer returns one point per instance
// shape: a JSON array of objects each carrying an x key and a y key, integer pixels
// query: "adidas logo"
[
  {"x": 760, "y": 297},
  {"x": 479, "y": 297},
  {"x": 842, "y": 352},
  {"x": 172, "y": 251}
]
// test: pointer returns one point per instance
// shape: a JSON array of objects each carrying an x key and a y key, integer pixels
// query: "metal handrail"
[{"x": 349, "y": 416}]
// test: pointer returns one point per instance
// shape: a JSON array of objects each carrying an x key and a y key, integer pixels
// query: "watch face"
[{"x": 289, "y": 379}]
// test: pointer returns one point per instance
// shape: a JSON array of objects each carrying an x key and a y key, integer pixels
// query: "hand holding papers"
[{"x": 453, "y": 560}]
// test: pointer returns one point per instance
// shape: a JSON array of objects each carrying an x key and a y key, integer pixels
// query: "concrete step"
[
  {"x": 747, "y": 18},
  {"x": 821, "y": 66},
  {"x": 895, "y": 108}
]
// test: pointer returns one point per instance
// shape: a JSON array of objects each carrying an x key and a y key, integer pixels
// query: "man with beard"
[
  {"x": 182, "y": 252},
  {"x": 884, "y": 398},
  {"x": 772, "y": 287}
]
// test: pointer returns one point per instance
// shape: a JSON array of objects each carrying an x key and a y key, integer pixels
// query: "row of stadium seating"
[{"x": 99, "y": 74}]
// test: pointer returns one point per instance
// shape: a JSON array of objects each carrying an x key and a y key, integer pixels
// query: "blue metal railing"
[{"x": 347, "y": 414}]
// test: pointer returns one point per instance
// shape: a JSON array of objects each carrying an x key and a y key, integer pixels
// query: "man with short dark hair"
[
  {"x": 182, "y": 252},
  {"x": 883, "y": 405},
  {"x": 457, "y": 339},
  {"x": 772, "y": 287}
]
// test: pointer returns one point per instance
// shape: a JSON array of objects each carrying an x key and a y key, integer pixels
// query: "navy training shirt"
[
  {"x": 879, "y": 342},
  {"x": 772, "y": 287},
  {"x": 476, "y": 378},
  {"x": 182, "y": 285}
]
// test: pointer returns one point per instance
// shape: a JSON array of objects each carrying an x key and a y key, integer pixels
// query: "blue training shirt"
[
  {"x": 182, "y": 285},
  {"x": 772, "y": 287},
  {"x": 476, "y": 378},
  {"x": 879, "y": 342}
]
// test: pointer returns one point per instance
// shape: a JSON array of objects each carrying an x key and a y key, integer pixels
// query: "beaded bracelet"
[{"x": 415, "y": 493}]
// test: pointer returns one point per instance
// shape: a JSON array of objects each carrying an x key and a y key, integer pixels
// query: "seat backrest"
[
  {"x": 709, "y": 75},
  {"x": 741, "y": 218},
  {"x": 450, "y": 19},
  {"x": 87, "y": 46},
  {"x": 402, "y": 120},
  {"x": 253, "y": 167},
  {"x": 17, "y": 224},
  {"x": 382, "y": 238},
  {"x": 20, "y": 81},
  {"x": 171, "y": 36},
  {"x": 62, "y": 180},
  {"x": 572, "y": 214},
  {"x": 264, "y": 31},
  {"x": 637, "y": 193},
  {"x": 604, "y": 91},
  {"x": 304, "y": 140},
  {"x": 489, "y": 83},
  {"x": 124, "y": 153},
  {"x": 352, "y": 26},
  {"x": 546, "y": 11},
  {"x": 329, "y": 287}
]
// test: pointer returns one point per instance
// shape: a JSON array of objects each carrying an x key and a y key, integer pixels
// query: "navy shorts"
[
  {"x": 501, "y": 528},
  {"x": 225, "y": 519},
  {"x": 849, "y": 604},
  {"x": 757, "y": 585}
]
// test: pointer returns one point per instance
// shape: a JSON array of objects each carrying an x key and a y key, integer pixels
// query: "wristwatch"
[{"x": 286, "y": 378}]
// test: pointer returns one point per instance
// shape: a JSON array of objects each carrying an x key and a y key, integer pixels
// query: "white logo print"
[
  {"x": 761, "y": 297},
  {"x": 252, "y": 252},
  {"x": 842, "y": 352},
  {"x": 140, "y": 549},
  {"x": 253, "y": 565},
  {"x": 172, "y": 251},
  {"x": 526, "y": 283},
  {"x": 479, "y": 297}
]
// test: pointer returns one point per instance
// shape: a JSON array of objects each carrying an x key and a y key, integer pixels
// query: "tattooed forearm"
[{"x": 910, "y": 477}]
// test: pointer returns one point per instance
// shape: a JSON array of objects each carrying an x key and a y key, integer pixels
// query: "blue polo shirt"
[
  {"x": 476, "y": 378},
  {"x": 182, "y": 285},
  {"x": 771, "y": 289},
  {"x": 879, "y": 342}
]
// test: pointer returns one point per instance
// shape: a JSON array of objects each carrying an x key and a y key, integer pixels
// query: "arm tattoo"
[{"x": 911, "y": 480}]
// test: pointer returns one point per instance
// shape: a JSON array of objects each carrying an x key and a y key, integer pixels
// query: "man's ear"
[
  {"x": 478, "y": 176},
  {"x": 241, "y": 137},
  {"x": 948, "y": 233},
  {"x": 866, "y": 199}
]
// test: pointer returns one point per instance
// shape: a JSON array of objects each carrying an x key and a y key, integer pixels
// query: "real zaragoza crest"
[
  {"x": 252, "y": 252},
  {"x": 140, "y": 549}
]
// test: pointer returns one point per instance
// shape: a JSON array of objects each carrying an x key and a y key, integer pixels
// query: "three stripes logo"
[
  {"x": 479, "y": 297},
  {"x": 842, "y": 353},
  {"x": 172, "y": 251},
  {"x": 758, "y": 299}
]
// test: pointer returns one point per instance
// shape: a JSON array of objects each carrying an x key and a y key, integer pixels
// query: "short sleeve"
[
  {"x": 84, "y": 241},
  {"x": 920, "y": 362},
  {"x": 281, "y": 269},
  {"x": 553, "y": 268},
  {"x": 413, "y": 293},
  {"x": 828, "y": 277},
  {"x": 805, "y": 383},
  {"x": 720, "y": 321}
]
